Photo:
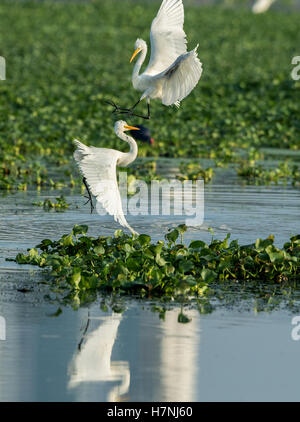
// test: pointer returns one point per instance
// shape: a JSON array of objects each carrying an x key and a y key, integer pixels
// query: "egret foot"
[
  {"x": 117, "y": 109},
  {"x": 129, "y": 111}
]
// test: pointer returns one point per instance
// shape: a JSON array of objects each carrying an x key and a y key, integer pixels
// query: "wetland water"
[{"x": 230, "y": 354}]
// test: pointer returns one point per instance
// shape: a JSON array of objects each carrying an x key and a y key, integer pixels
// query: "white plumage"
[
  {"x": 262, "y": 6},
  {"x": 172, "y": 72},
  {"x": 168, "y": 39},
  {"x": 92, "y": 362},
  {"x": 98, "y": 166},
  {"x": 184, "y": 76}
]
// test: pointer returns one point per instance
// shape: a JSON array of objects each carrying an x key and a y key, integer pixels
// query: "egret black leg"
[
  {"x": 89, "y": 197},
  {"x": 128, "y": 111},
  {"x": 148, "y": 107},
  {"x": 137, "y": 115},
  {"x": 117, "y": 109},
  {"x": 143, "y": 117}
]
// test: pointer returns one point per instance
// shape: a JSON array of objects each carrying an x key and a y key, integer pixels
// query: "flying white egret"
[
  {"x": 172, "y": 72},
  {"x": 98, "y": 167},
  {"x": 261, "y": 6}
]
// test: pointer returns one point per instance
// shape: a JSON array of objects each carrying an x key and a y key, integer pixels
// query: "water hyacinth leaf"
[
  {"x": 261, "y": 244},
  {"x": 45, "y": 244},
  {"x": 127, "y": 248},
  {"x": 120, "y": 269},
  {"x": 208, "y": 275},
  {"x": 33, "y": 253},
  {"x": 82, "y": 229},
  {"x": 118, "y": 233},
  {"x": 99, "y": 250},
  {"x": 202, "y": 290},
  {"x": 133, "y": 264},
  {"x": 92, "y": 282},
  {"x": 144, "y": 239},
  {"x": 160, "y": 261},
  {"x": 158, "y": 248},
  {"x": 274, "y": 254},
  {"x": 190, "y": 280},
  {"x": 186, "y": 266},
  {"x": 172, "y": 236},
  {"x": 67, "y": 240},
  {"x": 197, "y": 244},
  {"x": 169, "y": 269},
  {"x": 296, "y": 239},
  {"x": 155, "y": 275}
]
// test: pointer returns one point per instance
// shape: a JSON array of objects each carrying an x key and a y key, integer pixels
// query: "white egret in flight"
[
  {"x": 261, "y": 6},
  {"x": 172, "y": 72},
  {"x": 98, "y": 167}
]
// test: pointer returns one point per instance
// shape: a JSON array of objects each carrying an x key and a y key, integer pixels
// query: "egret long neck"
[
  {"x": 130, "y": 156},
  {"x": 137, "y": 66}
]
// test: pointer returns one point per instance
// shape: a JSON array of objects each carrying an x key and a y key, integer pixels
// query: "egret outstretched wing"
[
  {"x": 98, "y": 166},
  {"x": 181, "y": 78},
  {"x": 168, "y": 39}
]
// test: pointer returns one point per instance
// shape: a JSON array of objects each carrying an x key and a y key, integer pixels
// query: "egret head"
[
  {"x": 138, "y": 47},
  {"x": 121, "y": 126}
]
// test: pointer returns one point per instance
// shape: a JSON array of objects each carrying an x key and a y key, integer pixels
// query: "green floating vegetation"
[
  {"x": 17, "y": 174},
  {"x": 58, "y": 206},
  {"x": 194, "y": 171},
  {"x": 168, "y": 269},
  {"x": 256, "y": 174}
]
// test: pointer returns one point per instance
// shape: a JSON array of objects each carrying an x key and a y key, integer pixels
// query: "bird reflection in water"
[{"x": 92, "y": 361}]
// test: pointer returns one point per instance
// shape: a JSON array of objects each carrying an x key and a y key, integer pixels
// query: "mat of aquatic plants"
[
  {"x": 167, "y": 269},
  {"x": 64, "y": 59}
]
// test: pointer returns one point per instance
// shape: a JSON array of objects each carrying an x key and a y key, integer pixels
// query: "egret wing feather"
[
  {"x": 168, "y": 39},
  {"x": 181, "y": 78},
  {"x": 262, "y": 6},
  {"x": 98, "y": 166}
]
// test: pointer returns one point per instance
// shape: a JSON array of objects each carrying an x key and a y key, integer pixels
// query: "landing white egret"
[
  {"x": 98, "y": 167},
  {"x": 172, "y": 72}
]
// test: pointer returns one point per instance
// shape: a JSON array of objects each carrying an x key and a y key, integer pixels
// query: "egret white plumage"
[
  {"x": 261, "y": 6},
  {"x": 172, "y": 72},
  {"x": 98, "y": 167}
]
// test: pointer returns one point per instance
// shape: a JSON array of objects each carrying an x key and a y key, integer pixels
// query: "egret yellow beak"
[
  {"x": 131, "y": 127},
  {"x": 135, "y": 53}
]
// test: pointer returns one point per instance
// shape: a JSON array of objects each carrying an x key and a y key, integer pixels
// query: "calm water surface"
[{"x": 91, "y": 355}]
